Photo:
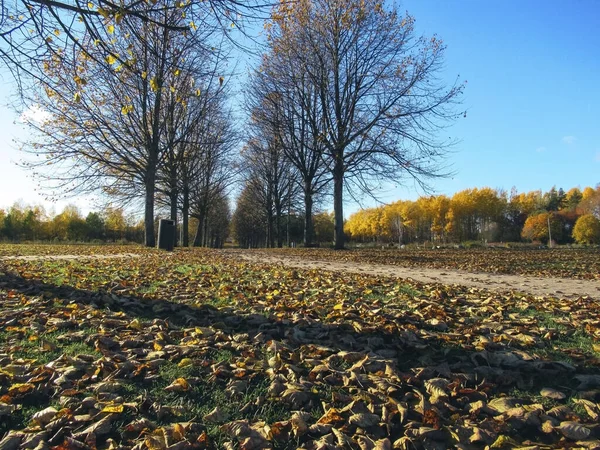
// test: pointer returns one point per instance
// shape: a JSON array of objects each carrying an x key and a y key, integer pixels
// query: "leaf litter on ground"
[{"x": 196, "y": 349}]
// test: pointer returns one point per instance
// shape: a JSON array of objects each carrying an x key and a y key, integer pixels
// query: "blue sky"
[{"x": 532, "y": 99}]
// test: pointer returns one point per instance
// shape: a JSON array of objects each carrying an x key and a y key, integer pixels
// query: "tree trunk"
[
  {"x": 308, "y": 219},
  {"x": 338, "y": 204},
  {"x": 149, "y": 239},
  {"x": 185, "y": 212},
  {"x": 278, "y": 224},
  {"x": 198, "y": 235},
  {"x": 206, "y": 237},
  {"x": 173, "y": 200}
]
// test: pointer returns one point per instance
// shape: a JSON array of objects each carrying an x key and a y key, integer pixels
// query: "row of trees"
[
  {"x": 21, "y": 223},
  {"x": 132, "y": 102},
  {"x": 485, "y": 215},
  {"x": 32, "y": 223},
  {"x": 344, "y": 97}
]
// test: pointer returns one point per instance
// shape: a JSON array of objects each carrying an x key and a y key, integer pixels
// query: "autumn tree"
[
  {"x": 587, "y": 230},
  {"x": 590, "y": 201},
  {"x": 379, "y": 100},
  {"x": 536, "y": 227}
]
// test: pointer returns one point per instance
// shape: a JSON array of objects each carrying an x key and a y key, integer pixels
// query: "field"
[{"x": 202, "y": 349}]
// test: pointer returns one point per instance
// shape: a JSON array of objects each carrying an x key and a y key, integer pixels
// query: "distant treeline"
[
  {"x": 484, "y": 215},
  {"x": 32, "y": 223}
]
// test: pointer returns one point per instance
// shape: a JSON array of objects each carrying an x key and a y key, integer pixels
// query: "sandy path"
[{"x": 556, "y": 287}]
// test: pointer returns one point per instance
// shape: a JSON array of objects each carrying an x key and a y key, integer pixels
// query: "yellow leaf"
[
  {"x": 144, "y": 75},
  {"x": 339, "y": 306},
  {"x": 90, "y": 5},
  {"x": 193, "y": 26},
  {"x": 172, "y": 88},
  {"x": 135, "y": 324},
  {"x": 177, "y": 72},
  {"x": 57, "y": 32},
  {"x": 20, "y": 388},
  {"x": 185, "y": 362},
  {"x": 113, "y": 409},
  {"x": 77, "y": 97},
  {"x": 110, "y": 29},
  {"x": 111, "y": 59},
  {"x": 198, "y": 92},
  {"x": 157, "y": 347},
  {"x": 178, "y": 432},
  {"x": 154, "y": 84},
  {"x": 180, "y": 384}
]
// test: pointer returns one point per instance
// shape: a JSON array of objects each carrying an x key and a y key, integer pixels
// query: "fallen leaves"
[{"x": 199, "y": 350}]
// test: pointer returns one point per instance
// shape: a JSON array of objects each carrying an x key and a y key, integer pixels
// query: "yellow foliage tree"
[{"x": 587, "y": 230}]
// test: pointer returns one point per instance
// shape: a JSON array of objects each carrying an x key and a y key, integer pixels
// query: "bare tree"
[
  {"x": 270, "y": 177},
  {"x": 380, "y": 101},
  {"x": 32, "y": 31},
  {"x": 188, "y": 126},
  {"x": 208, "y": 172},
  {"x": 107, "y": 127},
  {"x": 282, "y": 98}
]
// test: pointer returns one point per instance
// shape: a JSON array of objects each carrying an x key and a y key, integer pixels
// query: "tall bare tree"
[
  {"x": 282, "y": 98},
  {"x": 107, "y": 125},
  {"x": 380, "y": 99},
  {"x": 270, "y": 177}
]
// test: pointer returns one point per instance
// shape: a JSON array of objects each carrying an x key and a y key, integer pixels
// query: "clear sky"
[{"x": 532, "y": 99}]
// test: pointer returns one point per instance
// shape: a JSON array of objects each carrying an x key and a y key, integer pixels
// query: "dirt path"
[{"x": 556, "y": 287}]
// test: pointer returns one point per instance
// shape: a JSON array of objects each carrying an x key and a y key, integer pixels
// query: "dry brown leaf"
[
  {"x": 364, "y": 420},
  {"x": 553, "y": 393},
  {"x": 574, "y": 430}
]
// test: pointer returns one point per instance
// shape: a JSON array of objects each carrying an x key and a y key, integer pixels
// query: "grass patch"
[
  {"x": 188, "y": 269},
  {"x": 44, "y": 347}
]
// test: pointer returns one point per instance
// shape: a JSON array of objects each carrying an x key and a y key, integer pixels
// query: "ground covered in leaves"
[
  {"x": 196, "y": 349},
  {"x": 563, "y": 262}
]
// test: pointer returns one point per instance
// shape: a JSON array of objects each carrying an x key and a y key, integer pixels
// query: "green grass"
[
  {"x": 44, "y": 347},
  {"x": 188, "y": 269}
]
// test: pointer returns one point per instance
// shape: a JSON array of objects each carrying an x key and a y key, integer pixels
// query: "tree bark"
[
  {"x": 338, "y": 204},
  {"x": 149, "y": 239},
  {"x": 185, "y": 213},
  {"x": 198, "y": 235},
  {"x": 173, "y": 200},
  {"x": 308, "y": 219}
]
